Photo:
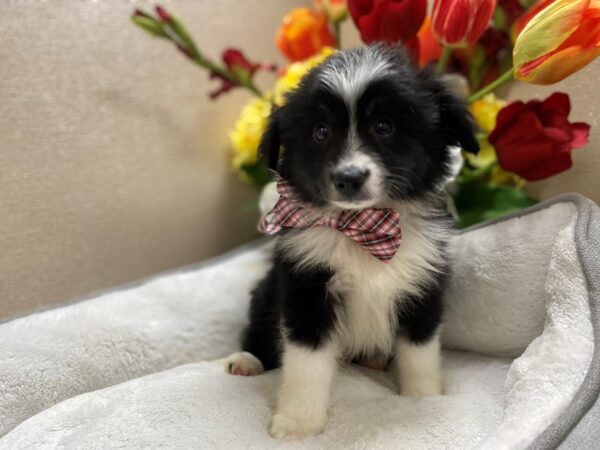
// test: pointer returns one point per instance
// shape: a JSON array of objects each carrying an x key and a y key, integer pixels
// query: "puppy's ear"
[
  {"x": 270, "y": 142},
  {"x": 456, "y": 120}
]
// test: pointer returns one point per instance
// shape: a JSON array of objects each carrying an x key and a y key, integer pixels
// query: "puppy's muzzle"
[{"x": 349, "y": 180}]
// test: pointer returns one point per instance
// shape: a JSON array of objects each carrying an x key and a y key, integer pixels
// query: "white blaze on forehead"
[{"x": 349, "y": 73}]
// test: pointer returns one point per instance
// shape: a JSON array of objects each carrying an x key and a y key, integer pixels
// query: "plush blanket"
[{"x": 128, "y": 369}]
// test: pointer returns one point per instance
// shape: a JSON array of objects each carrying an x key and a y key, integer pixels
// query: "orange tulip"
[
  {"x": 303, "y": 33},
  {"x": 429, "y": 49},
  {"x": 561, "y": 39},
  {"x": 526, "y": 17}
]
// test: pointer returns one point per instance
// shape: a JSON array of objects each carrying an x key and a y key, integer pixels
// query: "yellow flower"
[
  {"x": 485, "y": 157},
  {"x": 250, "y": 125},
  {"x": 486, "y": 110},
  {"x": 294, "y": 73},
  {"x": 247, "y": 132},
  {"x": 501, "y": 176}
]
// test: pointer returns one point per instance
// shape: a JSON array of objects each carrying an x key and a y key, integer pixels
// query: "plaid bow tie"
[{"x": 376, "y": 230}]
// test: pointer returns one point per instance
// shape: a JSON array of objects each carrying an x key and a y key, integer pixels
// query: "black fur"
[
  {"x": 296, "y": 298},
  {"x": 427, "y": 119},
  {"x": 420, "y": 316}
]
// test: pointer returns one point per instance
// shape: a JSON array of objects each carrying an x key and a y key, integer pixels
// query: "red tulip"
[
  {"x": 458, "y": 23},
  {"x": 390, "y": 21},
  {"x": 535, "y": 139}
]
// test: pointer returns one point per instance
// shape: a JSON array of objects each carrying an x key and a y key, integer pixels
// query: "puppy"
[{"x": 362, "y": 132}]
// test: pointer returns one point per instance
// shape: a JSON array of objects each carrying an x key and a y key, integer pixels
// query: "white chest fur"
[{"x": 369, "y": 289}]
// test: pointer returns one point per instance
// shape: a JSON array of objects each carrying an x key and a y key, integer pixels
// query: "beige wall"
[{"x": 113, "y": 162}]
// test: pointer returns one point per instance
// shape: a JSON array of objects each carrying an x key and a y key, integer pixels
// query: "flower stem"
[
  {"x": 443, "y": 61},
  {"x": 506, "y": 76},
  {"x": 254, "y": 89},
  {"x": 337, "y": 34},
  {"x": 197, "y": 57},
  {"x": 169, "y": 27}
]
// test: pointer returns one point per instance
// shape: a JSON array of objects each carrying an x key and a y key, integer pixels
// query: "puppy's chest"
[
  {"x": 365, "y": 313},
  {"x": 369, "y": 292}
]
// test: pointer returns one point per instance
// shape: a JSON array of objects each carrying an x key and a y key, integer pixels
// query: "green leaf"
[
  {"x": 479, "y": 202},
  {"x": 257, "y": 172}
]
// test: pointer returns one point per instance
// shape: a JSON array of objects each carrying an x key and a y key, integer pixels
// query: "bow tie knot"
[{"x": 376, "y": 230}]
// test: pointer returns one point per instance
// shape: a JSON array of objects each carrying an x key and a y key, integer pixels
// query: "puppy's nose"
[{"x": 349, "y": 180}]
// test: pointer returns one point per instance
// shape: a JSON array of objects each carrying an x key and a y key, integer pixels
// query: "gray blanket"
[{"x": 126, "y": 370}]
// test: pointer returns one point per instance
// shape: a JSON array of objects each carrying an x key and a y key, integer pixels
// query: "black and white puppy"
[{"x": 362, "y": 130}]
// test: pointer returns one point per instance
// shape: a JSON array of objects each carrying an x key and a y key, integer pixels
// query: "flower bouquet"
[{"x": 476, "y": 45}]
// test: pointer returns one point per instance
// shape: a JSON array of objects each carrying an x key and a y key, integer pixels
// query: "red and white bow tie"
[{"x": 376, "y": 230}]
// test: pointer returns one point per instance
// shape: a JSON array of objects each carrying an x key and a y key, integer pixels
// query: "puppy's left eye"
[
  {"x": 320, "y": 133},
  {"x": 383, "y": 127}
]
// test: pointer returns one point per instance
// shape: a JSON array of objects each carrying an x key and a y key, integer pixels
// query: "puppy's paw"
[
  {"x": 242, "y": 363},
  {"x": 285, "y": 427},
  {"x": 422, "y": 387}
]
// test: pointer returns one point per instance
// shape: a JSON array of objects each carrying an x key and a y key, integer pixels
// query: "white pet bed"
[{"x": 125, "y": 370}]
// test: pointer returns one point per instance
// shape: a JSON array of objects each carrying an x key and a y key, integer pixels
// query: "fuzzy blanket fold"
[{"x": 126, "y": 369}]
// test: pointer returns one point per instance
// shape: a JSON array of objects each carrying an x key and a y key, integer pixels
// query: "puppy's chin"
[{"x": 356, "y": 205}]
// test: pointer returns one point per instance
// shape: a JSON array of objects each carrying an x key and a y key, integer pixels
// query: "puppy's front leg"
[
  {"x": 418, "y": 367},
  {"x": 417, "y": 353},
  {"x": 309, "y": 352},
  {"x": 304, "y": 394}
]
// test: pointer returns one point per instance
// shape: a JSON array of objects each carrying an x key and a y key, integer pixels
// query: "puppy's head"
[{"x": 364, "y": 129}]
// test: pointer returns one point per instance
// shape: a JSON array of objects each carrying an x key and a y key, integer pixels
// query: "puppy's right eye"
[
  {"x": 383, "y": 127},
  {"x": 320, "y": 133}
]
